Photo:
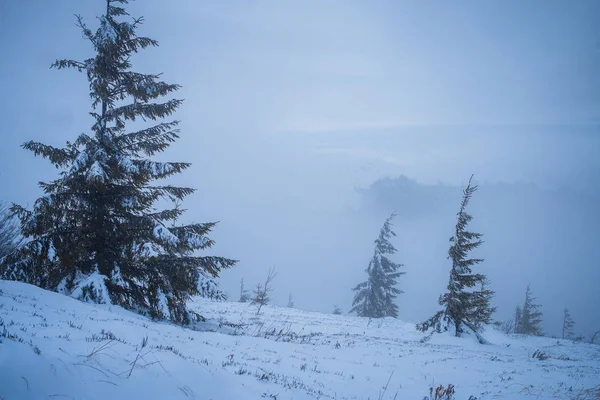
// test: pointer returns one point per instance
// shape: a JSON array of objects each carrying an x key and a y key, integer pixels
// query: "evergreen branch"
[
  {"x": 151, "y": 111},
  {"x": 58, "y": 157},
  {"x": 158, "y": 170},
  {"x": 87, "y": 33},
  {"x": 62, "y": 64},
  {"x": 143, "y": 86},
  {"x": 150, "y": 140}
]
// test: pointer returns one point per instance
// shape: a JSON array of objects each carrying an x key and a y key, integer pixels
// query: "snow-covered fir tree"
[
  {"x": 337, "y": 310},
  {"x": 290, "y": 303},
  {"x": 467, "y": 300},
  {"x": 531, "y": 316},
  {"x": 375, "y": 298},
  {"x": 96, "y": 234},
  {"x": 518, "y": 318},
  {"x": 568, "y": 324}
]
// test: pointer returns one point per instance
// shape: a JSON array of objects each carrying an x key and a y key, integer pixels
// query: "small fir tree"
[
  {"x": 337, "y": 310},
  {"x": 260, "y": 295},
  {"x": 96, "y": 234},
  {"x": 290, "y": 303},
  {"x": 568, "y": 325},
  {"x": 375, "y": 298},
  {"x": 531, "y": 317},
  {"x": 244, "y": 296},
  {"x": 464, "y": 305}
]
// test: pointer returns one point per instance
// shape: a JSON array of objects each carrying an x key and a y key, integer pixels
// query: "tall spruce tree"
[
  {"x": 95, "y": 233},
  {"x": 531, "y": 316},
  {"x": 375, "y": 298},
  {"x": 467, "y": 301},
  {"x": 568, "y": 325}
]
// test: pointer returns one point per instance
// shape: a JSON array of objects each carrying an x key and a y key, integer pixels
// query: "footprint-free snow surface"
[{"x": 55, "y": 347}]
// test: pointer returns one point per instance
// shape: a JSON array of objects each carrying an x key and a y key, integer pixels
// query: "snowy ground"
[{"x": 64, "y": 349}]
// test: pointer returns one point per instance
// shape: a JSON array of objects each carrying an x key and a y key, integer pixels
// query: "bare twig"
[
  {"x": 139, "y": 355},
  {"x": 91, "y": 366},
  {"x": 99, "y": 349},
  {"x": 386, "y": 386},
  {"x": 112, "y": 383}
]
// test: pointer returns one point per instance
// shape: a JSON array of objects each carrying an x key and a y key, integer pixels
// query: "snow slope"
[{"x": 65, "y": 349}]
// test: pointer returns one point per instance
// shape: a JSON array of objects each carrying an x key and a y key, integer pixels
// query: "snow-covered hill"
[{"x": 54, "y": 347}]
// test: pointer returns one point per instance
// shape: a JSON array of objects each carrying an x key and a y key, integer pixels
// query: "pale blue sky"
[
  {"x": 254, "y": 70},
  {"x": 291, "y": 105}
]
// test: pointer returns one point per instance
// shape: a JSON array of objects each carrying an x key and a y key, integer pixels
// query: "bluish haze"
[{"x": 291, "y": 106}]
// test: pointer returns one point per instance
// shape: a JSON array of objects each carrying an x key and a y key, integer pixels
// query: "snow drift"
[{"x": 55, "y": 347}]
